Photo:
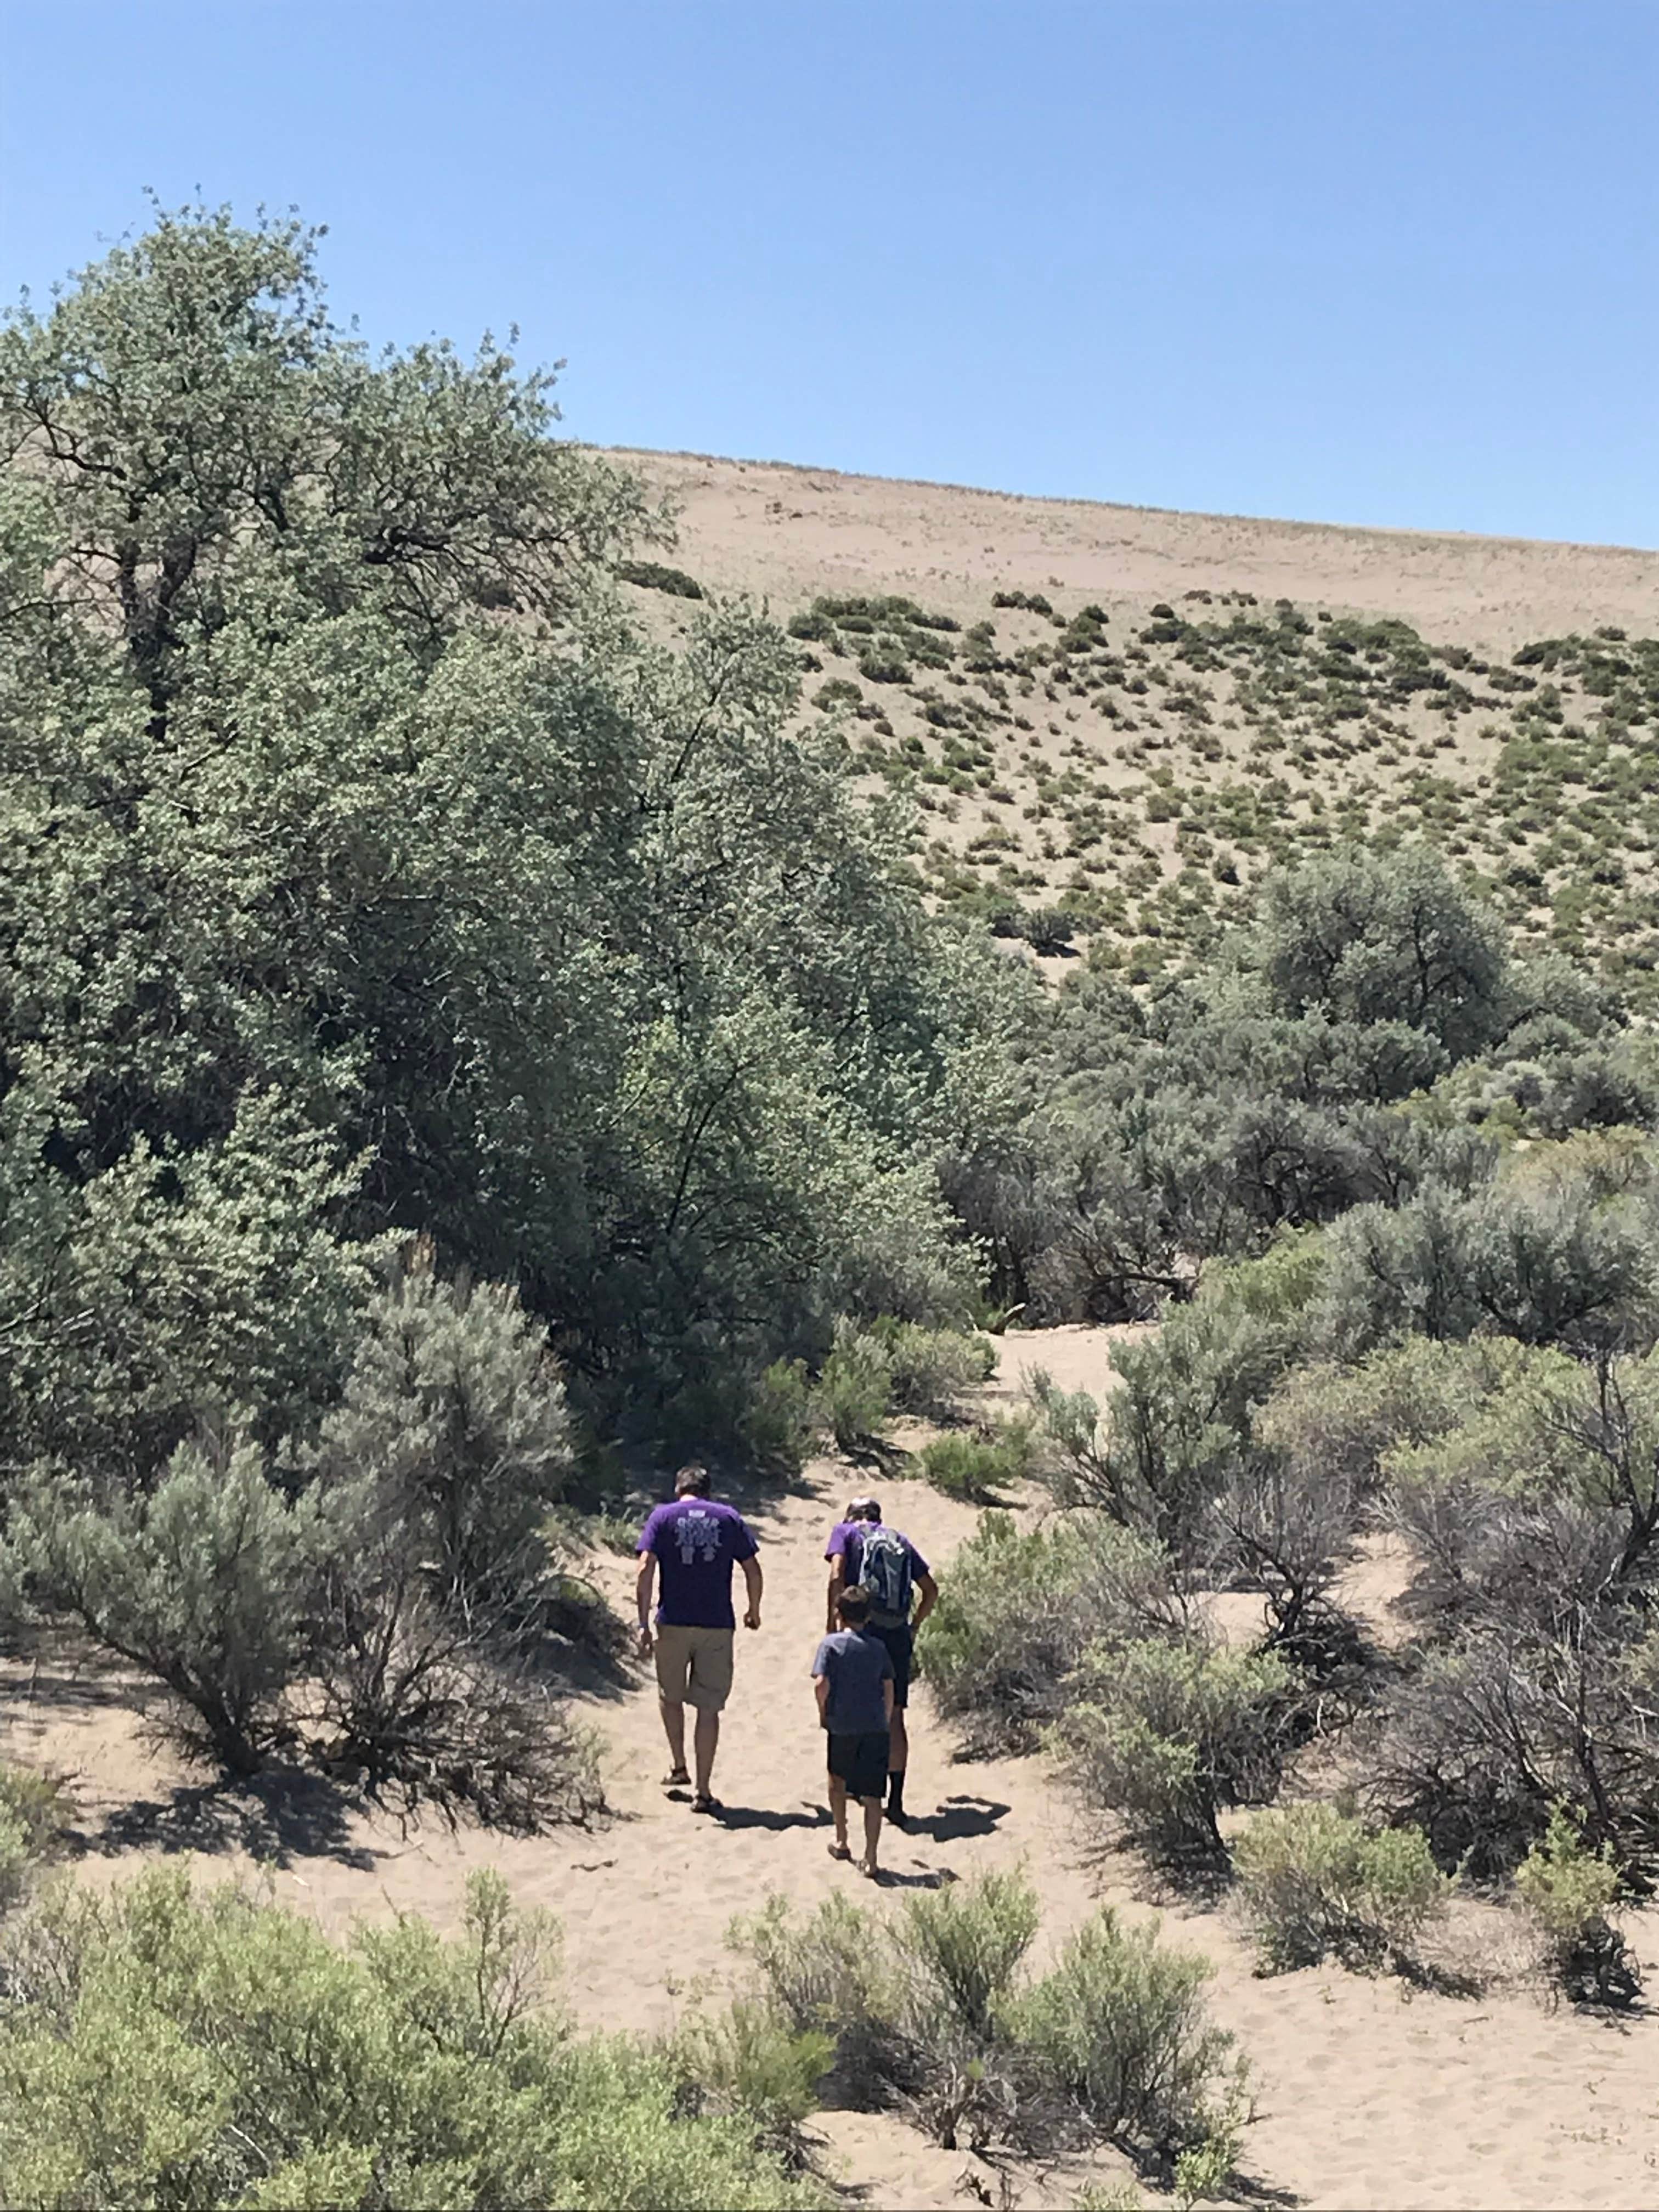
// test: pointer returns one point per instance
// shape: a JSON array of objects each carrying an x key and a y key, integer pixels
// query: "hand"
[
  {"x": 752, "y": 1619},
  {"x": 645, "y": 1639}
]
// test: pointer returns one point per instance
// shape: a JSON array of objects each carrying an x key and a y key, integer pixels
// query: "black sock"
[{"x": 896, "y": 1793}]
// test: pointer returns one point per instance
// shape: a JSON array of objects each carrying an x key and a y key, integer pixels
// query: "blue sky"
[{"x": 1388, "y": 263}]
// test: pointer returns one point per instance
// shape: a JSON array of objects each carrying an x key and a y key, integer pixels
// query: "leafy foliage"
[
  {"x": 1567, "y": 1892},
  {"x": 1019, "y": 1608},
  {"x": 1314, "y": 1881},
  {"x": 1165, "y": 1734},
  {"x": 203, "y": 1584},
  {"x": 350, "y": 826},
  {"x": 163, "y": 2046},
  {"x": 1111, "y": 2043}
]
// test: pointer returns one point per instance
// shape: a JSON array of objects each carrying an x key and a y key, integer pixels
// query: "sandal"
[
  {"x": 706, "y": 1805},
  {"x": 679, "y": 1779},
  {"x": 839, "y": 1852}
]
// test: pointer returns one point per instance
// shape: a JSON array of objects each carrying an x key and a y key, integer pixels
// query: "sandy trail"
[{"x": 1370, "y": 2094}]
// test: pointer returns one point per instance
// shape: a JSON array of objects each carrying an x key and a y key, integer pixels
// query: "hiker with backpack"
[
  {"x": 853, "y": 1674},
  {"x": 864, "y": 1552}
]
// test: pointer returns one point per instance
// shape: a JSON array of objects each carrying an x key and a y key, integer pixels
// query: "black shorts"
[
  {"x": 900, "y": 1642},
  {"x": 861, "y": 1761}
]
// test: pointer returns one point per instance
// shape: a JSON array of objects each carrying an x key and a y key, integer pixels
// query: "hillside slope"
[{"x": 1129, "y": 713}]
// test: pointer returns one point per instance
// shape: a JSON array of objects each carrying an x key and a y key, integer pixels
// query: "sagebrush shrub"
[
  {"x": 15, "y": 1859},
  {"x": 1314, "y": 1882},
  {"x": 34, "y": 1814},
  {"x": 931, "y": 1370},
  {"x": 204, "y": 1585},
  {"x": 1167, "y": 1732},
  {"x": 777, "y": 1426},
  {"x": 454, "y": 1411},
  {"x": 929, "y": 2010},
  {"x": 1120, "y": 2022},
  {"x": 168, "y": 2046},
  {"x": 976, "y": 1466},
  {"x": 1018, "y": 1609},
  {"x": 828, "y": 1977},
  {"x": 965, "y": 1944},
  {"x": 37, "y": 1803},
  {"x": 1568, "y": 1892},
  {"x": 658, "y": 576},
  {"x": 749, "y": 2060},
  {"x": 855, "y": 1392}
]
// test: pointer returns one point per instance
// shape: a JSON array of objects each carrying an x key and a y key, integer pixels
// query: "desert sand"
[
  {"x": 1370, "y": 2092},
  {"x": 787, "y": 533}
]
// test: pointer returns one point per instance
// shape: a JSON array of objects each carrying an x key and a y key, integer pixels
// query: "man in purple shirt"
[
  {"x": 694, "y": 1543},
  {"x": 893, "y": 1625}
]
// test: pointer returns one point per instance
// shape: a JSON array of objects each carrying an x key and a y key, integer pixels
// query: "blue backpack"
[{"x": 884, "y": 1571}]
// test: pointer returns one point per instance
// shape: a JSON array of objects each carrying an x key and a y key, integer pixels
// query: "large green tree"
[{"x": 339, "y": 788}]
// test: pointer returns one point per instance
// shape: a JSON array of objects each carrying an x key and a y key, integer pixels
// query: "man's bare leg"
[
  {"x": 842, "y": 1849},
  {"x": 867, "y": 1864},
  {"x": 673, "y": 1727},
  {"x": 706, "y": 1738}
]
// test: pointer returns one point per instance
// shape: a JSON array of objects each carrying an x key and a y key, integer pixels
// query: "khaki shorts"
[{"x": 694, "y": 1666}]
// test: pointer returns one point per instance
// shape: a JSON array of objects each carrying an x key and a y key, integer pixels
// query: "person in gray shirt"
[{"x": 853, "y": 1674}]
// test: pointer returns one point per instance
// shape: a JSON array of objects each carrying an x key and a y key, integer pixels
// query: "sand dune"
[
  {"x": 1370, "y": 2093},
  {"x": 789, "y": 533}
]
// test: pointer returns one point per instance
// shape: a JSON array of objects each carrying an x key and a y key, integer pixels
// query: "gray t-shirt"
[{"x": 855, "y": 1665}]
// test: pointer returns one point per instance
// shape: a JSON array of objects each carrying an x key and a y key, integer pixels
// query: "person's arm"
[
  {"x": 821, "y": 1684},
  {"x": 642, "y": 1588},
  {"x": 837, "y": 1583},
  {"x": 887, "y": 1697},
  {"x": 755, "y": 1582},
  {"x": 929, "y": 1589}
]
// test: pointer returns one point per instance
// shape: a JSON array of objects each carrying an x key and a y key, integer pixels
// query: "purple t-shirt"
[
  {"x": 846, "y": 1544},
  {"x": 697, "y": 1541}
]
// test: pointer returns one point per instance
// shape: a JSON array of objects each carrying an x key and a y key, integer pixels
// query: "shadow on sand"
[
  {"x": 277, "y": 1818},
  {"x": 752, "y": 1816}
]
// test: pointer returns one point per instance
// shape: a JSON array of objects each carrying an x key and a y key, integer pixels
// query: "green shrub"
[
  {"x": 455, "y": 1414},
  {"x": 1567, "y": 1892},
  {"x": 1120, "y": 2023},
  {"x": 15, "y": 1860},
  {"x": 931, "y": 1370},
  {"x": 779, "y": 1418},
  {"x": 1050, "y": 929},
  {"x": 1314, "y": 1882},
  {"x": 828, "y": 1977},
  {"x": 877, "y": 666},
  {"x": 976, "y": 1468},
  {"x": 1019, "y": 1608},
  {"x": 165, "y": 2046},
  {"x": 652, "y": 576},
  {"x": 35, "y": 1803},
  {"x": 854, "y": 1390},
  {"x": 34, "y": 1814},
  {"x": 204, "y": 1584},
  {"x": 928, "y": 2011},
  {"x": 749, "y": 2060},
  {"x": 964, "y": 1945},
  {"x": 1166, "y": 1732}
]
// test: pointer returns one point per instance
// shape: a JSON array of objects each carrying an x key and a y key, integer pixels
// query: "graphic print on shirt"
[{"x": 697, "y": 1537}]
